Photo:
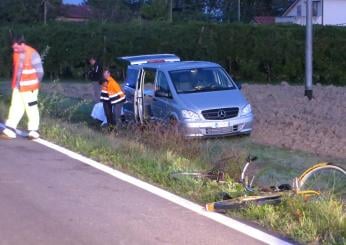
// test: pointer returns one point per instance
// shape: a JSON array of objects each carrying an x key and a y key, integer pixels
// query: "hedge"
[{"x": 251, "y": 53}]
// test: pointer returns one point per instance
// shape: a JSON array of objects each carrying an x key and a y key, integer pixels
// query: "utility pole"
[
  {"x": 45, "y": 12},
  {"x": 170, "y": 11},
  {"x": 45, "y": 4},
  {"x": 308, "y": 51},
  {"x": 238, "y": 10}
]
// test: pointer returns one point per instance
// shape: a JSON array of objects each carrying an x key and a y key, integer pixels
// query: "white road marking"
[{"x": 229, "y": 222}]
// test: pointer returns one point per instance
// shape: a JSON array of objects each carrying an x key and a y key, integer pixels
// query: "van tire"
[
  {"x": 172, "y": 121},
  {"x": 247, "y": 134}
]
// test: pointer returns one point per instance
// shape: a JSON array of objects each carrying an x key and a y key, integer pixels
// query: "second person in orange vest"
[
  {"x": 26, "y": 78},
  {"x": 112, "y": 98}
]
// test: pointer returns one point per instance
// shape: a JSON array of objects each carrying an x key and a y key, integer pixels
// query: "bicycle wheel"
[
  {"x": 325, "y": 178},
  {"x": 243, "y": 202}
]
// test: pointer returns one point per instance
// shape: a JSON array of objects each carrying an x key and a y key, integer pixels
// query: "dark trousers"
[{"x": 109, "y": 112}]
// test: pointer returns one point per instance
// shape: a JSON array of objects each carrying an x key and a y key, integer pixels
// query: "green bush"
[{"x": 249, "y": 52}]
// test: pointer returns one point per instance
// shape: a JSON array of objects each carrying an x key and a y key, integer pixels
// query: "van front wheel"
[{"x": 247, "y": 134}]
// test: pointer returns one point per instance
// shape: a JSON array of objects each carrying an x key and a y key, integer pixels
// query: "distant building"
[
  {"x": 74, "y": 13},
  {"x": 325, "y": 12},
  {"x": 263, "y": 20}
]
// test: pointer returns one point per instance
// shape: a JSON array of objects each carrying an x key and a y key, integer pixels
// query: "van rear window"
[{"x": 131, "y": 77}]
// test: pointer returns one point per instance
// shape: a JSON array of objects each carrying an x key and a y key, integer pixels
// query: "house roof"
[
  {"x": 290, "y": 7},
  {"x": 264, "y": 20},
  {"x": 75, "y": 11}
]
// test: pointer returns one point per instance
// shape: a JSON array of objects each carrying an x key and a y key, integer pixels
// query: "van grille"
[{"x": 220, "y": 114}]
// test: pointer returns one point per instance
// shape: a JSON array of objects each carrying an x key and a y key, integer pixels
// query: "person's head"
[
  {"x": 106, "y": 74},
  {"x": 92, "y": 61},
  {"x": 18, "y": 44}
]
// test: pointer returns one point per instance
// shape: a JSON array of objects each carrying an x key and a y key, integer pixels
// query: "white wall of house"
[
  {"x": 326, "y": 12},
  {"x": 334, "y": 12}
]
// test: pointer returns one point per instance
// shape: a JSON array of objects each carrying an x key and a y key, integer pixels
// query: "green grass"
[
  {"x": 141, "y": 153},
  {"x": 134, "y": 157},
  {"x": 320, "y": 221}
]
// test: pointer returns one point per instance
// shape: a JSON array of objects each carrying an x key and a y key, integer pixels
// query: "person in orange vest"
[
  {"x": 26, "y": 77},
  {"x": 112, "y": 98}
]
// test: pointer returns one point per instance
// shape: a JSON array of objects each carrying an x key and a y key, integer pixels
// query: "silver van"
[{"x": 199, "y": 96}]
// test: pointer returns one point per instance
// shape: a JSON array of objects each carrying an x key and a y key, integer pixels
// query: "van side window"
[
  {"x": 149, "y": 79},
  {"x": 224, "y": 80},
  {"x": 131, "y": 78},
  {"x": 162, "y": 83}
]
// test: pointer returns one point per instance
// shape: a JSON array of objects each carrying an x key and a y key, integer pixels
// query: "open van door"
[{"x": 138, "y": 104}]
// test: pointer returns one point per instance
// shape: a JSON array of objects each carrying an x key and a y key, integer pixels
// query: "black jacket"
[{"x": 95, "y": 73}]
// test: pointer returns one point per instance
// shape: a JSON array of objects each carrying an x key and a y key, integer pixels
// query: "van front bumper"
[{"x": 205, "y": 128}]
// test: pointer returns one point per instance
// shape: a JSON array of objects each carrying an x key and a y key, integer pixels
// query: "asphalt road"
[{"x": 49, "y": 198}]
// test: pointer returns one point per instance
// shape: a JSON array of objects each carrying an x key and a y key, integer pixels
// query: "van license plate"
[{"x": 221, "y": 124}]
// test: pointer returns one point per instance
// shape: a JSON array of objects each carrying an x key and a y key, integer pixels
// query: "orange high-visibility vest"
[
  {"x": 28, "y": 78},
  {"x": 111, "y": 91}
]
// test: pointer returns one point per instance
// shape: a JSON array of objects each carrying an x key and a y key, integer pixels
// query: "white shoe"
[
  {"x": 8, "y": 134},
  {"x": 33, "y": 135}
]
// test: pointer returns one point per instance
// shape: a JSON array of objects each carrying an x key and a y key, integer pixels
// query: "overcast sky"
[{"x": 73, "y": 1}]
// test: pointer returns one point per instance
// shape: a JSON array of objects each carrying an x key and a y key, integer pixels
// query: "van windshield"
[{"x": 201, "y": 80}]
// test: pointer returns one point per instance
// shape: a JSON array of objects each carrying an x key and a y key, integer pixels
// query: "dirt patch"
[
  {"x": 74, "y": 90},
  {"x": 283, "y": 116}
]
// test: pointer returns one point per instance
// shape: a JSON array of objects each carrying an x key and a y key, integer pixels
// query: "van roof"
[
  {"x": 181, "y": 65},
  {"x": 150, "y": 58}
]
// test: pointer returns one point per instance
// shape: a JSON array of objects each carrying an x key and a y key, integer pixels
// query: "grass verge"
[{"x": 152, "y": 155}]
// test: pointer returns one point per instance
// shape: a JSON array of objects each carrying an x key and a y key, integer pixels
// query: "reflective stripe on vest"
[{"x": 104, "y": 93}]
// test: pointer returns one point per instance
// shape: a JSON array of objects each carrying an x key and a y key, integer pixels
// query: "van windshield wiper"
[
  {"x": 211, "y": 88},
  {"x": 207, "y": 89}
]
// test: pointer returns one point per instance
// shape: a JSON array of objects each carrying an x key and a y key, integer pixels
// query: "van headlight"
[
  {"x": 246, "y": 110},
  {"x": 189, "y": 115}
]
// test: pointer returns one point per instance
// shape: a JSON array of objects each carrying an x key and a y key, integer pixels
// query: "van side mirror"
[{"x": 160, "y": 93}]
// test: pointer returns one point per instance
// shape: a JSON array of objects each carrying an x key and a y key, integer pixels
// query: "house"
[
  {"x": 74, "y": 13},
  {"x": 325, "y": 12}
]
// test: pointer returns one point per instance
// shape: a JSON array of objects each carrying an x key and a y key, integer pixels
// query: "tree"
[
  {"x": 155, "y": 10},
  {"x": 26, "y": 11},
  {"x": 227, "y": 10},
  {"x": 113, "y": 10},
  {"x": 185, "y": 10},
  {"x": 279, "y": 6}
]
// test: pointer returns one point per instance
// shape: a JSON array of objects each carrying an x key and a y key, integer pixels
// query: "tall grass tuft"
[{"x": 322, "y": 220}]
